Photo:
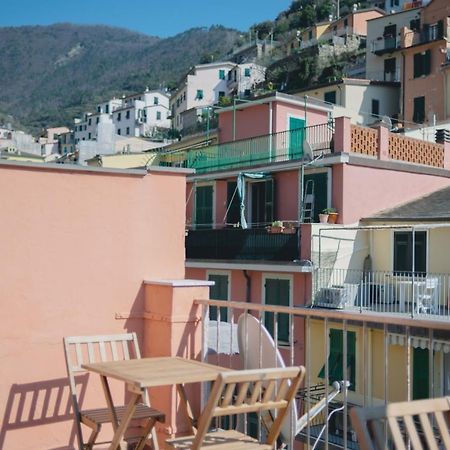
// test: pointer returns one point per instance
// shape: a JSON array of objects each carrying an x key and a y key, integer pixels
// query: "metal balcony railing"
[
  {"x": 239, "y": 244},
  {"x": 417, "y": 295},
  {"x": 373, "y": 352},
  {"x": 260, "y": 150},
  {"x": 385, "y": 44}
]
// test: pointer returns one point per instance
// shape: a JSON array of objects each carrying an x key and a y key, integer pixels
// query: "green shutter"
[
  {"x": 426, "y": 65},
  {"x": 269, "y": 201},
  {"x": 277, "y": 293},
  {"x": 421, "y": 380},
  {"x": 296, "y": 137},
  {"x": 218, "y": 292},
  {"x": 336, "y": 357},
  {"x": 204, "y": 206},
  {"x": 417, "y": 65}
]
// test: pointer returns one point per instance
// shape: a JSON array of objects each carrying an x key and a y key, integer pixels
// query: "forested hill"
[{"x": 50, "y": 74}]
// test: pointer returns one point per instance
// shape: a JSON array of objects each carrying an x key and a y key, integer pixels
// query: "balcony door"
[
  {"x": 421, "y": 379},
  {"x": 319, "y": 185},
  {"x": 296, "y": 137},
  {"x": 261, "y": 203}
]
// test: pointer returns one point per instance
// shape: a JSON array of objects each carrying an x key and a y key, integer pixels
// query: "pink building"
[{"x": 80, "y": 250}]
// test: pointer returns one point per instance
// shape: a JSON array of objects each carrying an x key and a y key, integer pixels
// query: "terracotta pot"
[
  {"x": 275, "y": 230},
  {"x": 332, "y": 217},
  {"x": 323, "y": 218}
]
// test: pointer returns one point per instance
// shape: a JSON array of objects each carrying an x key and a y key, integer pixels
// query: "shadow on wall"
[{"x": 40, "y": 403}]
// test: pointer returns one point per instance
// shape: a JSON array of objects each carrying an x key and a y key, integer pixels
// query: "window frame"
[
  {"x": 427, "y": 246},
  {"x": 225, "y": 273}
]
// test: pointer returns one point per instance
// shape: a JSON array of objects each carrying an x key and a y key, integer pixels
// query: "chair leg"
[
  {"x": 93, "y": 437},
  {"x": 147, "y": 429}
]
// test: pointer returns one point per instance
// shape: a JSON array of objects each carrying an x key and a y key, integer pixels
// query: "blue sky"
[{"x": 160, "y": 18}]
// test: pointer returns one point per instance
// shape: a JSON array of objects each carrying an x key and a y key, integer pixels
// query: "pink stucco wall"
[
  {"x": 286, "y": 195},
  {"x": 255, "y": 120},
  {"x": 76, "y": 247},
  {"x": 363, "y": 191}
]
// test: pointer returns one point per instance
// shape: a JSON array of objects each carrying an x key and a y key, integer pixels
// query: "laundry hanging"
[{"x": 241, "y": 191}]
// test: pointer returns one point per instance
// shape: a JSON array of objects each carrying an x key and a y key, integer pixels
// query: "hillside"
[{"x": 49, "y": 74}]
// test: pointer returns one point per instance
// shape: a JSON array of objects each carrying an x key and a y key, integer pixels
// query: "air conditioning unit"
[{"x": 336, "y": 297}]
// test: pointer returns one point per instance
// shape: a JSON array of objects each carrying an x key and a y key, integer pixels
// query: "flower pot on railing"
[
  {"x": 332, "y": 217},
  {"x": 323, "y": 218},
  {"x": 276, "y": 227}
]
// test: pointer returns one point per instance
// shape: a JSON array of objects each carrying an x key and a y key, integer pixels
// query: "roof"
[{"x": 431, "y": 207}]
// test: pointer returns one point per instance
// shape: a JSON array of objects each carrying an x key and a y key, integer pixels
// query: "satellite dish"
[
  {"x": 387, "y": 121},
  {"x": 307, "y": 151}
]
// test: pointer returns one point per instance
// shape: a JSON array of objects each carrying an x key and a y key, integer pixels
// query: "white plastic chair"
[{"x": 428, "y": 295}]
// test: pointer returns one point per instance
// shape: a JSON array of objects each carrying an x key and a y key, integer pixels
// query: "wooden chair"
[
  {"x": 89, "y": 349},
  {"x": 241, "y": 392},
  {"x": 422, "y": 423}
]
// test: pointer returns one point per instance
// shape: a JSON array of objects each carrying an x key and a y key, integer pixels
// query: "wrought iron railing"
[
  {"x": 420, "y": 294},
  {"x": 260, "y": 150},
  {"x": 239, "y": 244}
]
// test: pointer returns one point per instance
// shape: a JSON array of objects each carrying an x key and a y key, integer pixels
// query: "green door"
[
  {"x": 204, "y": 206},
  {"x": 277, "y": 293},
  {"x": 421, "y": 381},
  {"x": 320, "y": 182},
  {"x": 296, "y": 137},
  {"x": 218, "y": 292}
]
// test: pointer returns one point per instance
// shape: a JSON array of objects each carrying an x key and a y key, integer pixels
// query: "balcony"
[
  {"x": 385, "y": 44},
  {"x": 271, "y": 148},
  {"x": 417, "y": 295},
  {"x": 239, "y": 244}
]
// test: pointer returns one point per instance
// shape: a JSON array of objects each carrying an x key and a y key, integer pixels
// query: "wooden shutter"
[
  {"x": 204, "y": 206},
  {"x": 218, "y": 292},
  {"x": 277, "y": 293}
]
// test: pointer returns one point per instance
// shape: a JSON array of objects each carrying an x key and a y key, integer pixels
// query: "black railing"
[{"x": 239, "y": 244}]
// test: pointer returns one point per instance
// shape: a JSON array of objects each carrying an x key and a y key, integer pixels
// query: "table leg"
[
  {"x": 125, "y": 420},
  {"x": 187, "y": 407}
]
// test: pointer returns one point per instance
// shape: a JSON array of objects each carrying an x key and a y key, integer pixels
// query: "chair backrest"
[
  {"x": 80, "y": 350},
  {"x": 246, "y": 391},
  {"x": 422, "y": 423}
]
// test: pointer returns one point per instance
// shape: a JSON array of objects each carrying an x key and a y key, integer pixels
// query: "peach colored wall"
[
  {"x": 76, "y": 247},
  {"x": 431, "y": 86},
  {"x": 359, "y": 21},
  {"x": 190, "y": 202},
  {"x": 286, "y": 195},
  {"x": 250, "y": 122},
  {"x": 369, "y": 190},
  {"x": 282, "y": 112},
  {"x": 255, "y": 120},
  {"x": 436, "y": 10}
]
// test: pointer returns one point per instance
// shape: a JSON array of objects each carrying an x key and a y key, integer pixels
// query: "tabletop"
[{"x": 159, "y": 371}]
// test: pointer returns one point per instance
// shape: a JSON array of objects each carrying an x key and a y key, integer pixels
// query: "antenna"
[{"x": 307, "y": 151}]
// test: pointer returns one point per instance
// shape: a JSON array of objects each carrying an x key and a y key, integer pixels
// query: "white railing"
[
  {"x": 424, "y": 295},
  {"x": 302, "y": 335}
]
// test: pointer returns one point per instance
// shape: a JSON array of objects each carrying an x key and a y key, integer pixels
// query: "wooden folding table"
[{"x": 140, "y": 374}]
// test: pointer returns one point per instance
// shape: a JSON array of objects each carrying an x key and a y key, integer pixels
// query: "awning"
[{"x": 419, "y": 342}]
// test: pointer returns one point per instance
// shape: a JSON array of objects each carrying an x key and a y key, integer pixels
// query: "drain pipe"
[{"x": 248, "y": 290}]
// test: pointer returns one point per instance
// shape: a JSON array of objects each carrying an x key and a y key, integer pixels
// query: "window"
[
  {"x": 345, "y": 22},
  {"x": 277, "y": 292},
  {"x": 414, "y": 25},
  {"x": 389, "y": 65},
  {"x": 403, "y": 252},
  {"x": 221, "y": 94},
  {"x": 230, "y": 73},
  {"x": 90, "y": 122},
  {"x": 390, "y": 36},
  {"x": 422, "y": 64},
  {"x": 155, "y": 100},
  {"x": 107, "y": 109},
  {"x": 247, "y": 72},
  {"x": 336, "y": 358},
  {"x": 89, "y": 136},
  {"x": 178, "y": 102},
  {"x": 158, "y": 115},
  {"x": 199, "y": 95},
  {"x": 97, "y": 120},
  {"x": 247, "y": 93},
  {"x": 310, "y": 34},
  {"x": 218, "y": 292},
  {"x": 330, "y": 97},
  {"x": 221, "y": 74},
  {"x": 204, "y": 206},
  {"x": 119, "y": 117},
  {"x": 419, "y": 110},
  {"x": 128, "y": 130},
  {"x": 119, "y": 132},
  {"x": 375, "y": 107},
  {"x": 127, "y": 115},
  {"x": 99, "y": 109}
]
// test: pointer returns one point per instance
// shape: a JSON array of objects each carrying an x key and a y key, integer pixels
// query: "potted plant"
[
  {"x": 276, "y": 227},
  {"x": 323, "y": 217},
  {"x": 332, "y": 214},
  {"x": 289, "y": 228}
]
